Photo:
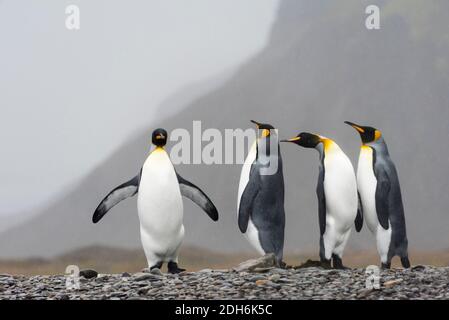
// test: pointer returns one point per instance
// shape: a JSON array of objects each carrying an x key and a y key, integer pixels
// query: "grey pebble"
[
  {"x": 156, "y": 271},
  {"x": 145, "y": 277},
  {"x": 255, "y": 278}
]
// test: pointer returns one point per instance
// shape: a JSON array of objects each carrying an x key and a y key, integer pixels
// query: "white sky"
[{"x": 69, "y": 98}]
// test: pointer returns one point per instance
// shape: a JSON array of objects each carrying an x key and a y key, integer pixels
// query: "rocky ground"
[{"x": 251, "y": 280}]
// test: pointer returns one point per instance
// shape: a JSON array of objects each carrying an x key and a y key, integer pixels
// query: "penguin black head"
[
  {"x": 159, "y": 137},
  {"x": 265, "y": 127},
  {"x": 368, "y": 134},
  {"x": 305, "y": 139}
]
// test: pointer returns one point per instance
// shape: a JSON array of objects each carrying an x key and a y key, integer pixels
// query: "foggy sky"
[{"x": 69, "y": 98}]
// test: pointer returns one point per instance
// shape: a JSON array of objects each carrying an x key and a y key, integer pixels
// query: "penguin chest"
[
  {"x": 367, "y": 184},
  {"x": 246, "y": 170},
  {"x": 340, "y": 188},
  {"x": 159, "y": 200}
]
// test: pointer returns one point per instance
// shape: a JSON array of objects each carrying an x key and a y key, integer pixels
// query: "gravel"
[{"x": 421, "y": 282}]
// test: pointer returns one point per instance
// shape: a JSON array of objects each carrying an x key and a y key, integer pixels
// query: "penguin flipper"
[
  {"x": 247, "y": 200},
  {"x": 120, "y": 193},
  {"x": 359, "y": 218},
  {"x": 382, "y": 193},
  {"x": 321, "y": 202},
  {"x": 191, "y": 191}
]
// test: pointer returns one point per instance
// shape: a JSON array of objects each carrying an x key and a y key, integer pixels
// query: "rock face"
[{"x": 307, "y": 283}]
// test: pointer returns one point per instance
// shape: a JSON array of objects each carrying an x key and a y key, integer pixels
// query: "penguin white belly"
[
  {"x": 160, "y": 209},
  {"x": 251, "y": 234},
  {"x": 340, "y": 188},
  {"x": 244, "y": 175},
  {"x": 367, "y": 184}
]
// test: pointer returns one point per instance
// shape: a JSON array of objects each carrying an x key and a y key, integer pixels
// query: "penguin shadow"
[
  {"x": 313, "y": 264},
  {"x": 319, "y": 264}
]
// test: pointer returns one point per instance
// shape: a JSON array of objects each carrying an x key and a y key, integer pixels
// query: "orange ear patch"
[
  {"x": 377, "y": 135},
  {"x": 265, "y": 133},
  {"x": 328, "y": 144}
]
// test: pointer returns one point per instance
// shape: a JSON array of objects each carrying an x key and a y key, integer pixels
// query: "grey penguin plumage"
[
  {"x": 261, "y": 205},
  {"x": 338, "y": 203},
  {"x": 380, "y": 194}
]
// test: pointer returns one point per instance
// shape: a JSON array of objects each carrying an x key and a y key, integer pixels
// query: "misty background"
[
  {"x": 79, "y": 107},
  {"x": 70, "y": 98}
]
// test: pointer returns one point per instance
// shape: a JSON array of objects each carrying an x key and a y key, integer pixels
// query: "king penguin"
[
  {"x": 159, "y": 204},
  {"x": 260, "y": 204},
  {"x": 380, "y": 193},
  {"x": 337, "y": 197}
]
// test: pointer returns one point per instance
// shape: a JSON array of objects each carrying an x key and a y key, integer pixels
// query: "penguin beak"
[
  {"x": 294, "y": 139},
  {"x": 160, "y": 136},
  {"x": 356, "y": 127},
  {"x": 256, "y": 123}
]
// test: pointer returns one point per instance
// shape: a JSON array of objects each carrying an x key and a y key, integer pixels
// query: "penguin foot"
[
  {"x": 338, "y": 263},
  {"x": 405, "y": 262},
  {"x": 341, "y": 267},
  {"x": 326, "y": 264},
  {"x": 282, "y": 265},
  {"x": 386, "y": 266},
  {"x": 173, "y": 268},
  {"x": 157, "y": 265}
]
